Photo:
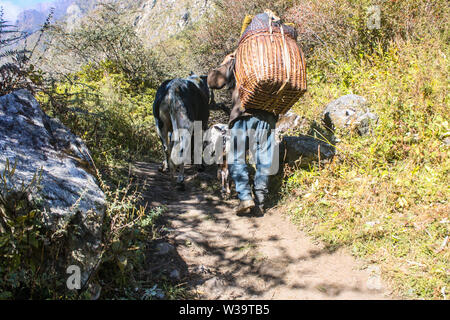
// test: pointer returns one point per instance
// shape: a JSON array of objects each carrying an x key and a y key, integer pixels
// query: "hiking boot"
[
  {"x": 258, "y": 211},
  {"x": 244, "y": 206}
]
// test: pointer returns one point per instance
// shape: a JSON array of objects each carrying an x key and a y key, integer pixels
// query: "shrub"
[
  {"x": 100, "y": 105},
  {"x": 385, "y": 195},
  {"x": 330, "y": 28},
  {"x": 30, "y": 251},
  {"x": 33, "y": 256}
]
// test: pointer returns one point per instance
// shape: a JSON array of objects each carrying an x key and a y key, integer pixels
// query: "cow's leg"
[
  {"x": 227, "y": 180},
  {"x": 183, "y": 130},
  {"x": 163, "y": 143},
  {"x": 226, "y": 191},
  {"x": 222, "y": 176},
  {"x": 223, "y": 180},
  {"x": 200, "y": 167},
  {"x": 180, "y": 178},
  {"x": 171, "y": 165},
  {"x": 219, "y": 172},
  {"x": 228, "y": 184},
  {"x": 186, "y": 141}
]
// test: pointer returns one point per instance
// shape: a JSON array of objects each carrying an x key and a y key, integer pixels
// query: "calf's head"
[{"x": 224, "y": 74}]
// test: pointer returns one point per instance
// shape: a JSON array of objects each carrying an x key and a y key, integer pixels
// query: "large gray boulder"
[
  {"x": 349, "y": 112},
  {"x": 69, "y": 193},
  {"x": 299, "y": 151},
  {"x": 303, "y": 150},
  {"x": 298, "y": 148}
]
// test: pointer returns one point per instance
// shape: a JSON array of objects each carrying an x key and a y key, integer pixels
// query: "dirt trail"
[{"x": 223, "y": 256}]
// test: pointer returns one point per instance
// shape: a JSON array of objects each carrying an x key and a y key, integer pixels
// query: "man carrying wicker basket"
[{"x": 266, "y": 75}]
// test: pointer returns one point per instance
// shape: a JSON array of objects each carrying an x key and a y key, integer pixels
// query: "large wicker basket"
[{"x": 270, "y": 71}]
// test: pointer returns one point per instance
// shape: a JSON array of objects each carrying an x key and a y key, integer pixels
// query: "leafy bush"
[
  {"x": 29, "y": 249},
  {"x": 340, "y": 28},
  {"x": 33, "y": 256},
  {"x": 100, "y": 105},
  {"x": 127, "y": 237},
  {"x": 108, "y": 100}
]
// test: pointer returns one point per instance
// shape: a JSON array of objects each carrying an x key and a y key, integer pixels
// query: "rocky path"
[{"x": 223, "y": 256}]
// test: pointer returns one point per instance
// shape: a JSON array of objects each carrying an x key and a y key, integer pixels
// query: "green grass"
[{"x": 385, "y": 196}]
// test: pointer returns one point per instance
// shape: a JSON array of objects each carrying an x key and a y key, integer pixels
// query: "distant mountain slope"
[
  {"x": 157, "y": 20},
  {"x": 31, "y": 20},
  {"x": 154, "y": 20}
]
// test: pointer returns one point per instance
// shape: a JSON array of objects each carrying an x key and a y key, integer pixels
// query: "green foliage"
[
  {"x": 34, "y": 257},
  {"x": 385, "y": 195},
  {"x": 127, "y": 237},
  {"x": 108, "y": 100},
  {"x": 108, "y": 103},
  {"x": 29, "y": 249},
  {"x": 107, "y": 112},
  {"x": 330, "y": 28}
]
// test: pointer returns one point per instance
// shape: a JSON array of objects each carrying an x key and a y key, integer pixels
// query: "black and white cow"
[{"x": 178, "y": 103}]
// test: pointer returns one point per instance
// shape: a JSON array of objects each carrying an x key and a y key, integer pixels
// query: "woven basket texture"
[{"x": 270, "y": 70}]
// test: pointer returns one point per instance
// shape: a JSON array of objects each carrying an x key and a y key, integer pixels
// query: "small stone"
[
  {"x": 374, "y": 281},
  {"x": 287, "y": 123},
  {"x": 446, "y": 138},
  {"x": 214, "y": 285},
  {"x": 164, "y": 248},
  {"x": 202, "y": 269}
]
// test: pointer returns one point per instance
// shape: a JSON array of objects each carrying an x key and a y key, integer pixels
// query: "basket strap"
[
  {"x": 272, "y": 17},
  {"x": 287, "y": 57},
  {"x": 270, "y": 29}
]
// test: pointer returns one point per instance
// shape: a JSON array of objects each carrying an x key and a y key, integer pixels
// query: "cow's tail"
[
  {"x": 173, "y": 105},
  {"x": 180, "y": 124}
]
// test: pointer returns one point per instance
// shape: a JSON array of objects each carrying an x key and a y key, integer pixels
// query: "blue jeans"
[{"x": 253, "y": 134}]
